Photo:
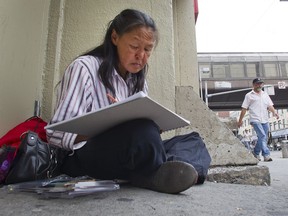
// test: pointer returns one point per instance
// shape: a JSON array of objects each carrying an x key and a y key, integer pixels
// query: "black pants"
[{"x": 132, "y": 148}]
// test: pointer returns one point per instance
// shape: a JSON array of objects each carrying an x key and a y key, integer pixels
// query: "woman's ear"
[{"x": 114, "y": 37}]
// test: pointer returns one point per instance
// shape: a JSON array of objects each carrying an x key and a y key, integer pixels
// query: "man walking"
[{"x": 258, "y": 103}]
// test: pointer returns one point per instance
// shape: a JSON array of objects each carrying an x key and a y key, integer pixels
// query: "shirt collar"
[
  {"x": 116, "y": 74},
  {"x": 254, "y": 92}
]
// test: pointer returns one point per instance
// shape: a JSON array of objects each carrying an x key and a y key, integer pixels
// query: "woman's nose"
[{"x": 140, "y": 54}]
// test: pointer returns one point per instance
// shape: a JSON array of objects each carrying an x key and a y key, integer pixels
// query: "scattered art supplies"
[
  {"x": 64, "y": 186},
  {"x": 136, "y": 106}
]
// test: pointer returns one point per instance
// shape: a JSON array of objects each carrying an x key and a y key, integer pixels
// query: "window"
[
  {"x": 251, "y": 70},
  {"x": 270, "y": 69},
  {"x": 284, "y": 69},
  {"x": 237, "y": 70},
  {"x": 219, "y": 70}
]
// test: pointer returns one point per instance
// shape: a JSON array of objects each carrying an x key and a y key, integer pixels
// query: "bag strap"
[{"x": 36, "y": 126}]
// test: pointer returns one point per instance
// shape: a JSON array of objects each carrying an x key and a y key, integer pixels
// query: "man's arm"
[
  {"x": 271, "y": 109},
  {"x": 242, "y": 114}
]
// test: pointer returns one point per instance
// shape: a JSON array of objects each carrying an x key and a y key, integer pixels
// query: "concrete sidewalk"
[{"x": 208, "y": 199}]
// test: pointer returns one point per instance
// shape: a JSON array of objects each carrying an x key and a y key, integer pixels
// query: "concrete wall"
[
  {"x": 23, "y": 36},
  {"x": 76, "y": 26},
  {"x": 186, "y": 62}
]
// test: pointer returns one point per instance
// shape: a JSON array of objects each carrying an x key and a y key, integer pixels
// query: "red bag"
[{"x": 13, "y": 137}]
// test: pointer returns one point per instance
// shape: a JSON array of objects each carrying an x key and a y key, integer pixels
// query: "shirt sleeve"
[
  {"x": 73, "y": 100},
  {"x": 269, "y": 101},
  {"x": 246, "y": 102}
]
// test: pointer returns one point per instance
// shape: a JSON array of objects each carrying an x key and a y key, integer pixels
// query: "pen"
[{"x": 112, "y": 99}]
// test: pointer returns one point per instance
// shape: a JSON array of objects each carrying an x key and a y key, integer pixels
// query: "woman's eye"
[
  {"x": 148, "y": 50},
  {"x": 134, "y": 47}
]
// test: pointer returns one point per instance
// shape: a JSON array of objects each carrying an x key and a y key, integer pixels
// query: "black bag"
[
  {"x": 191, "y": 149},
  {"x": 34, "y": 160},
  {"x": 7, "y": 154}
]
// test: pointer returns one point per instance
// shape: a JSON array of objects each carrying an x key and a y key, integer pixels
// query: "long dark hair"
[{"x": 124, "y": 22}]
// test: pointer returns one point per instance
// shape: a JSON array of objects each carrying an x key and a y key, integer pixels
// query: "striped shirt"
[{"x": 82, "y": 91}]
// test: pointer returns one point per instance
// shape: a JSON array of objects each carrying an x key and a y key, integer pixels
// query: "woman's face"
[{"x": 134, "y": 49}]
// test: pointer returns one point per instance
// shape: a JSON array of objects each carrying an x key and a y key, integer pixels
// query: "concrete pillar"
[{"x": 225, "y": 149}]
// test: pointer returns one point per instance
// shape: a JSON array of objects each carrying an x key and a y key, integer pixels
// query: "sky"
[{"x": 242, "y": 26}]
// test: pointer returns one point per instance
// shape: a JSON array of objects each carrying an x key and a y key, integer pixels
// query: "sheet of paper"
[{"x": 134, "y": 107}]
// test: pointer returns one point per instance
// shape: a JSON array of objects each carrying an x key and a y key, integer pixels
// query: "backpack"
[{"x": 191, "y": 149}]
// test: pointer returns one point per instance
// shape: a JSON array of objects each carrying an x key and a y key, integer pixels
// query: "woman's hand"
[{"x": 80, "y": 138}]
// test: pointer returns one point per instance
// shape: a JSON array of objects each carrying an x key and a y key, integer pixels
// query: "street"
[{"x": 208, "y": 199}]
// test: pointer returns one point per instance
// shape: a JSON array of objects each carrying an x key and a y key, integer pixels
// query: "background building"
[
  {"x": 225, "y": 78},
  {"x": 224, "y": 72}
]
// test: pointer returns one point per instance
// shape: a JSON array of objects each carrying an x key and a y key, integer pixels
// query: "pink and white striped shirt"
[{"x": 81, "y": 91}]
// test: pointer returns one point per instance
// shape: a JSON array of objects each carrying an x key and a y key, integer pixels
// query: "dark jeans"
[{"x": 132, "y": 148}]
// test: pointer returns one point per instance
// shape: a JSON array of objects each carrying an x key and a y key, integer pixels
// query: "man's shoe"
[
  {"x": 172, "y": 177},
  {"x": 268, "y": 159},
  {"x": 256, "y": 156}
]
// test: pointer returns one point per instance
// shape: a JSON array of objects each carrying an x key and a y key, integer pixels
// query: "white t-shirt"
[{"x": 257, "y": 104}]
